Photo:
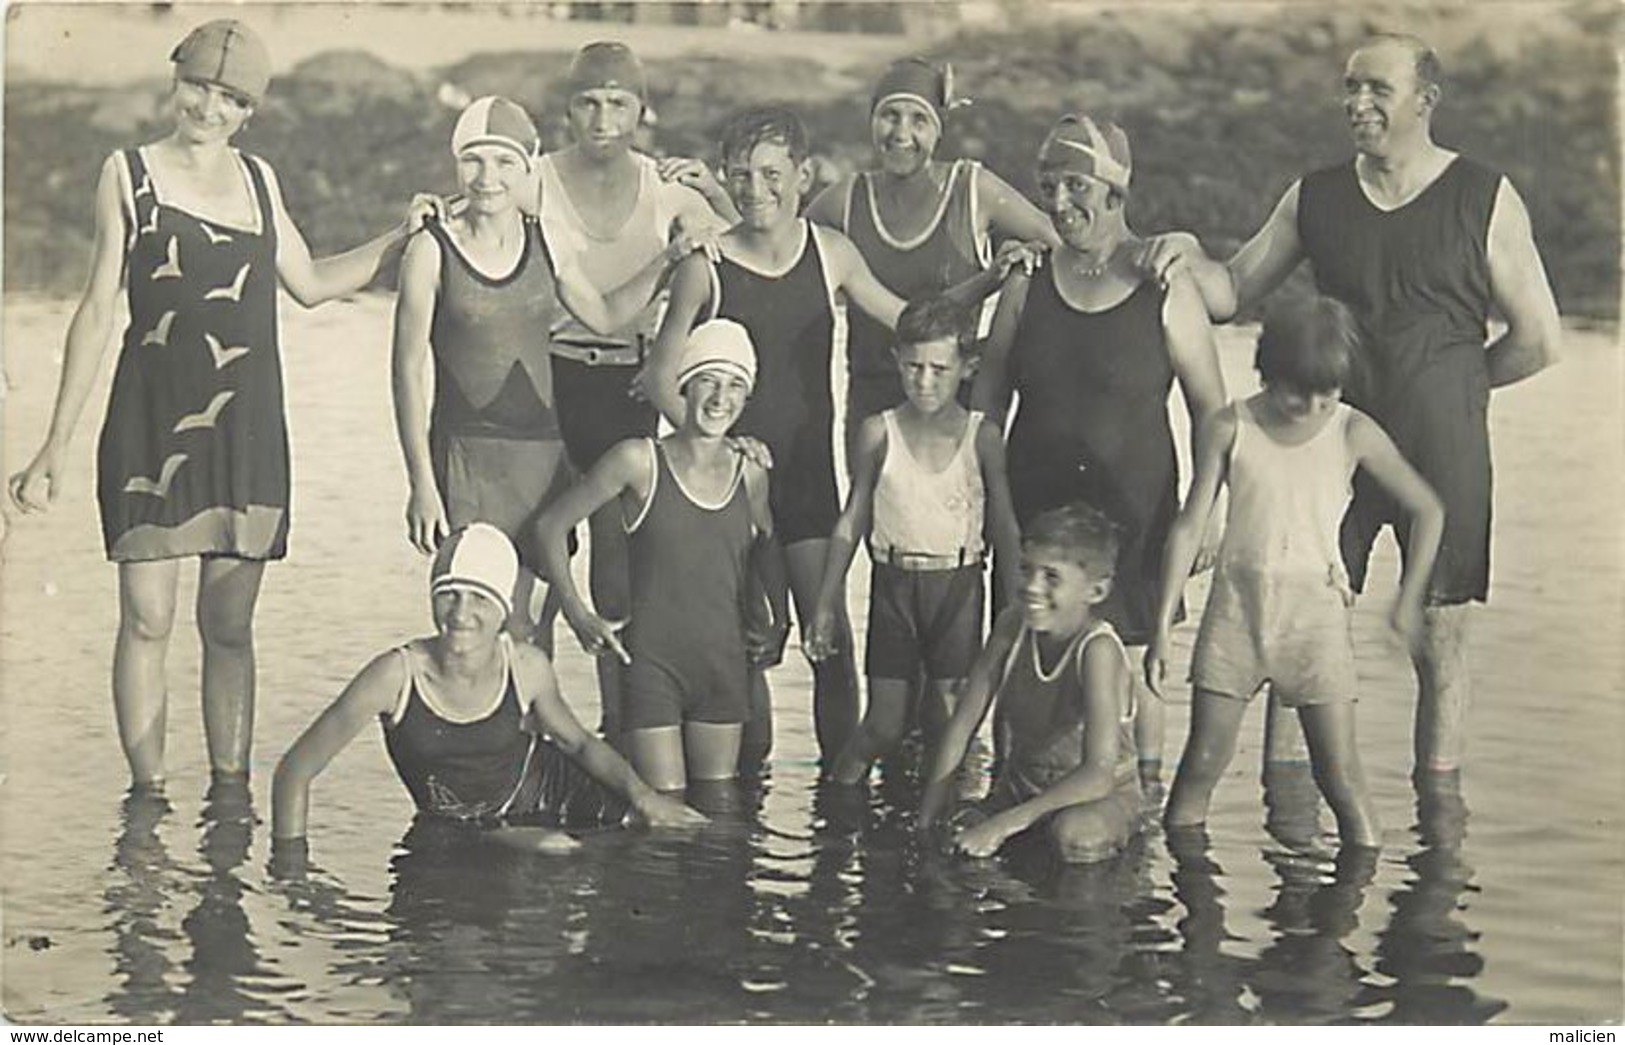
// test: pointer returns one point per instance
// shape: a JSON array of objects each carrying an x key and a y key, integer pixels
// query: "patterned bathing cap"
[
  {"x": 608, "y": 65},
  {"x": 1100, "y": 150},
  {"x": 228, "y": 53},
  {"x": 718, "y": 344},
  {"x": 477, "y": 558},
  {"x": 496, "y": 121}
]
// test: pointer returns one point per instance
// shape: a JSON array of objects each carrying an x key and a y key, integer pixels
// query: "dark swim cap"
[
  {"x": 228, "y": 53},
  {"x": 608, "y": 65},
  {"x": 917, "y": 80}
]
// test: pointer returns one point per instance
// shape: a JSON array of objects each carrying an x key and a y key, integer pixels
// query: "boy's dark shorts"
[{"x": 924, "y": 618}]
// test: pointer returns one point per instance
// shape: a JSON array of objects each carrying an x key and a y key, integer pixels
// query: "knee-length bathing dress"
[{"x": 193, "y": 455}]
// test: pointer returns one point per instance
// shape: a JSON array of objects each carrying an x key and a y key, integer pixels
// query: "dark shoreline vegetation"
[{"x": 1222, "y": 115}]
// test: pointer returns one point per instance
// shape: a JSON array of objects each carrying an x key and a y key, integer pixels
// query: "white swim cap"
[
  {"x": 718, "y": 344},
  {"x": 477, "y": 558}
]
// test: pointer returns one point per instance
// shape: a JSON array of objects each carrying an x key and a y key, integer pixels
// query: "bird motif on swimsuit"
[{"x": 443, "y": 801}]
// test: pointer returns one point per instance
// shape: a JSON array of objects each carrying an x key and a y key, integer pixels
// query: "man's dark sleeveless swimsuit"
[{"x": 1418, "y": 280}]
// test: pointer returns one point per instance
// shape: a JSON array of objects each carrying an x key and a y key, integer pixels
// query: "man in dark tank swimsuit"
[{"x": 1422, "y": 243}]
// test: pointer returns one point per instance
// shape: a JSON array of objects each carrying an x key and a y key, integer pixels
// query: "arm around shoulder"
[
  {"x": 858, "y": 281},
  {"x": 991, "y": 391},
  {"x": 828, "y": 208},
  {"x": 1189, "y": 334},
  {"x": 1011, "y": 215},
  {"x": 1266, "y": 260},
  {"x": 690, "y": 292}
]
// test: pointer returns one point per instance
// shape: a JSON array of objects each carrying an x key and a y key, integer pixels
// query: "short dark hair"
[
  {"x": 1429, "y": 70},
  {"x": 1079, "y": 531},
  {"x": 747, "y": 129},
  {"x": 1308, "y": 343},
  {"x": 935, "y": 318}
]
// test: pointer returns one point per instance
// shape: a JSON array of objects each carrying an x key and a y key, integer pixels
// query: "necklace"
[{"x": 1096, "y": 270}]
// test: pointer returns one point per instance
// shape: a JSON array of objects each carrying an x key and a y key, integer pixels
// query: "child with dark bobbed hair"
[{"x": 1279, "y": 610}]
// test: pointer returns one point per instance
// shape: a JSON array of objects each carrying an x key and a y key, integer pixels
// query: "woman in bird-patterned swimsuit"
[{"x": 193, "y": 456}]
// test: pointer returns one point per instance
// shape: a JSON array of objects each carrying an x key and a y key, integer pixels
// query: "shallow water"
[{"x": 788, "y": 909}]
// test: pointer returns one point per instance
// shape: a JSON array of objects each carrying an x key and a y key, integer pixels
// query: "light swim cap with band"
[
  {"x": 718, "y": 344},
  {"x": 477, "y": 558},
  {"x": 1100, "y": 151}
]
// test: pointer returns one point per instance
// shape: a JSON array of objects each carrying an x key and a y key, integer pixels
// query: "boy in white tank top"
[
  {"x": 1279, "y": 611},
  {"x": 928, "y": 481}
]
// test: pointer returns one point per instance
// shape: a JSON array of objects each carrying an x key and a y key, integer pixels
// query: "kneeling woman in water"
[{"x": 473, "y": 722}]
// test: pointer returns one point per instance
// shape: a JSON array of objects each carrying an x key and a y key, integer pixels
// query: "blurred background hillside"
[{"x": 1225, "y": 104}]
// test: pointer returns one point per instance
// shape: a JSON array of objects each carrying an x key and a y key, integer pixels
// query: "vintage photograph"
[{"x": 782, "y": 512}]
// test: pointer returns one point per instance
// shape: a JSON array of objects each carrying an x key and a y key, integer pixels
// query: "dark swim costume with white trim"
[
  {"x": 489, "y": 769},
  {"x": 791, "y": 319},
  {"x": 949, "y": 250},
  {"x": 687, "y": 631}
]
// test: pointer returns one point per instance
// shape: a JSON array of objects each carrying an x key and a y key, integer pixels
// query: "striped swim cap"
[
  {"x": 225, "y": 52},
  {"x": 1099, "y": 150},
  {"x": 478, "y": 558},
  {"x": 494, "y": 120},
  {"x": 718, "y": 344}
]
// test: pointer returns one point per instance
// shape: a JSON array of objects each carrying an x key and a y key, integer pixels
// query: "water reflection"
[
  {"x": 1308, "y": 974},
  {"x": 142, "y": 879},
  {"x": 1208, "y": 984},
  {"x": 1427, "y": 949},
  {"x": 221, "y": 978},
  {"x": 836, "y": 912},
  {"x": 225, "y": 963}
]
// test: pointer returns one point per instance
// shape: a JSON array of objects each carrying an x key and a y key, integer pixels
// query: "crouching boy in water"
[
  {"x": 1066, "y": 707},
  {"x": 700, "y": 543},
  {"x": 1279, "y": 610},
  {"x": 928, "y": 480},
  {"x": 474, "y": 724}
]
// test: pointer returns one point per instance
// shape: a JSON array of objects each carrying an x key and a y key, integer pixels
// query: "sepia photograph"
[{"x": 800, "y": 513}]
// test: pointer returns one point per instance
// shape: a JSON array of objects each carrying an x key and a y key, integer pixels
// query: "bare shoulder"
[
  {"x": 532, "y": 670},
  {"x": 378, "y": 685},
  {"x": 989, "y": 437},
  {"x": 1362, "y": 431},
  {"x": 872, "y": 435}
]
